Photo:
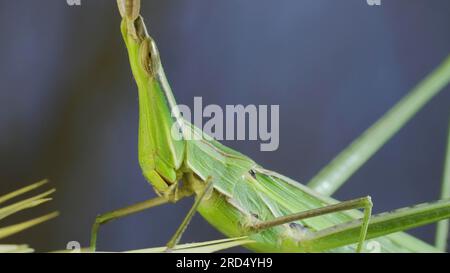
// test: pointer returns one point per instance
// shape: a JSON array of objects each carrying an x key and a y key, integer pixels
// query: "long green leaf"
[
  {"x": 25, "y": 204},
  {"x": 21, "y": 191},
  {"x": 19, "y": 206},
  {"x": 443, "y": 226},
  {"x": 332, "y": 176},
  {"x": 204, "y": 247},
  {"x": 10, "y": 230},
  {"x": 15, "y": 249}
]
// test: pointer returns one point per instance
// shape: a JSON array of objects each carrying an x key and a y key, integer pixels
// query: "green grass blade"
[
  {"x": 19, "y": 206},
  {"x": 332, "y": 176},
  {"x": 25, "y": 204},
  {"x": 5, "y": 212},
  {"x": 203, "y": 247},
  {"x": 15, "y": 249},
  {"x": 10, "y": 230},
  {"x": 380, "y": 225},
  {"x": 21, "y": 191},
  {"x": 443, "y": 226}
]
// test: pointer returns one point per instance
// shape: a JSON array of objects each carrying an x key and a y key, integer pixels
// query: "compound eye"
[
  {"x": 146, "y": 56},
  {"x": 149, "y": 55}
]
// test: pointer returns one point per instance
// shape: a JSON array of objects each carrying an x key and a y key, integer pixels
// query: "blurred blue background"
[{"x": 69, "y": 104}]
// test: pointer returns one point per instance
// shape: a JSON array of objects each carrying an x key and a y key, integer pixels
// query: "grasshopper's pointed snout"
[{"x": 129, "y": 9}]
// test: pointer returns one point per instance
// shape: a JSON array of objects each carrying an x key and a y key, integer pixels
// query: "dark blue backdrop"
[{"x": 69, "y": 104}]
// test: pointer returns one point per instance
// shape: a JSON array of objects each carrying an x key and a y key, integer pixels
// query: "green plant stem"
[
  {"x": 443, "y": 226},
  {"x": 343, "y": 166}
]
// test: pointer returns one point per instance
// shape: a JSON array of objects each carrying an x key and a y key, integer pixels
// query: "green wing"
[
  {"x": 292, "y": 197},
  {"x": 261, "y": 195}
]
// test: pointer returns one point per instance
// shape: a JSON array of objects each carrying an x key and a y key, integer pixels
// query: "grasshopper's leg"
[
  {"x": 116, "y": 214},
  {"x": 443, "y": 226},
  {"x": 182, "y": 228},
  {"x": 364, "y": 203}
]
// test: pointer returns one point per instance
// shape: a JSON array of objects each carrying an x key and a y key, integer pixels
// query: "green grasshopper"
[{"x": 240, "y": 198}]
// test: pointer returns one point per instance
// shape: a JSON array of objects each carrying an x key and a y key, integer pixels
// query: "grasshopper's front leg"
[
  {"x": 151, "y": 203},
  {"x": 116, "y": 214},
  {"x": 171, "y": 196},
  {"x": 199, "y": 199}
]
